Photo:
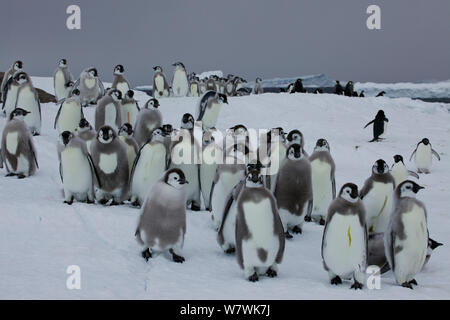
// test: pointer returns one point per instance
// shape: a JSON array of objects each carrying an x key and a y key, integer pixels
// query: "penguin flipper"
[
  {"x": 94, "y": 170},
  {"x": 333, "y": 186},
  {"x": 60, "y": 172},
  {"x": 136, "y": 160},
  {"x": 412, "y": 173},
  {"x": 57, "y": 116},
  {"x": 369, "y": 123},
  {"x": 5, "y": 91},
  {"x": 412, "y": 155},
  {"x": 33, "y": 152},
  {"x": 1, "y": 159},
  {"x": 436, "y": 154}
]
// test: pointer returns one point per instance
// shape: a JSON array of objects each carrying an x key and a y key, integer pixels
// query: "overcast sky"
[{"x": 266, "y": 38}]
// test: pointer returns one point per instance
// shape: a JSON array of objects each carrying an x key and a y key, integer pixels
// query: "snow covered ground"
[{"x": 40, "y": 236}]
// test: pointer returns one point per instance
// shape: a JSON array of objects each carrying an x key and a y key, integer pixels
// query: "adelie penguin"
[
  {"x": 160, "y": 85},
  {"x": 399, "y": 171},
  {"x": 162, "y": 223},
  {"x": 379, "y": 126},
  {"x": 344, "y": 241},
  {"x": 61, "y": 80},
  {"x": 17, "y": 66},
  {"x": 90, "y": 86},
  {"x": 76, "y": 169},
  {"x": 18, "y": 151},
  {"x": 423, "y": 155},
  {"x": 119, "y": 81},
  {"x": 260, "y": 239},
  {"x": 406, "y": 238}
]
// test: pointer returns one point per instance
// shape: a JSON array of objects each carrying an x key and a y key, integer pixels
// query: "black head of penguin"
[
  {"x": 294, "y": 152},
  {"x": 119, "y": 68},
  {"x": 116, "y": 94},
  {"x": 254, "y": 176},
  {"x": 398, "y": 158},
  {"x": 178, "y": 64},
  {"x": 434, "y": 244},
  {"x": 18, "y": 65},
  {"x": 187, "y": 122},
  {"x": 350, "y": 189},
  {"x": 380, "y": 167},
  {"x": 129, "y": 94},
  {"x": 63, "y": 62},
  {"x": 167, "y": 129},
  {"x": 18, "y": 113},
  {"x": 223, "y": 98},
  {"x": 126, "y": 127},
  {"x": 69, "y": 84},
  {"x": 84, "y": 123},
  {"x": 254, "y": 166},
  {"x": 157, "y": 68},
  {"x": 153, "y": 102},
  {"x": 93, "y": 72},
  {"x": 106, "y": 134},
  {"x": 323, "y": 143},
  {"x": 407, "y": 186},
  {"x": 177, "y": 175},
  {"x": 76, "y": 92},
  {"x": 66, "y": 136},
  {"x": 425, "y": 141},
  {"x": 21, "y": 77},
  {"x": 380, "y": 115}
]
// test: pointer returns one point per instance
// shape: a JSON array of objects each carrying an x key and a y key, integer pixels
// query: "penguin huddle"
[{"x": 130, "y": 155}]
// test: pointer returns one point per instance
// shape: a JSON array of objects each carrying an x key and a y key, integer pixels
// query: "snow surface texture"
[{"x": 41, "y": 236}]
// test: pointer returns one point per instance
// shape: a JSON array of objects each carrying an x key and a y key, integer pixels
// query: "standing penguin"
[
  {"x": 208, "y": 108},
  {"x": 28, "y": 99},
  {"x": 212, "y": 155},
  {"x": 361, "y": 94},
  {"x": 128, "y": 108},
  {"x": 423, "y": 156},
  {"x": 273, "y": 153},
  {"x": 194, "y": 87},
  {"x": 298, "y": 87},
  {"x": 86, "y": 133},
  {"x": 338, "y": 88},
  {"x": 126, "y": 136},
  {"x": 188, "y": 162},
  {"x": 17, "y": 66},
  {"x": 76, "y": 169},
  {"x": 323, "y": 181},
  {"x": 293, "y": 190},
  {"x": 90, "y": 86},
  {"x": 18, "y": 151},
  {"x": 258, "y": 89},
  {"x": 406, "y": 238},
  {"x": 148, "y": 167},
  {"x": 377, "y": 195},
  {"x": 180, "y": 83},
  {"x": 148, "y": 119},
  {"x": 259, "y": 232},
  {"x": 160, "y": 85},
  {"x": 379, "y": 126},
  {"x": 163, "y": 217},
  {"x": 69, "y": 113},
  {"x": 296, "y": 137},
  {"x": 211, "y": 84},
  {"x": 348, "y": 91},
  {"x": 62, "y": 80},
  {"x": 399, "y": 171},
  {"x": 119, "y": 81},
  {"x": 108, "y": 112},
  {"x": 109, "y": 155},
  {"x": 344, "y": 241}
]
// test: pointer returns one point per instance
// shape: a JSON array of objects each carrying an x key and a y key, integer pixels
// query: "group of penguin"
[{"x": 130, "y": 155}]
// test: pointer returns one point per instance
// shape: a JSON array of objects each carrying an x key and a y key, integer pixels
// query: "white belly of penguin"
[
  {"x": 378, "y": 204},
  {"x": 89, "y": 83},
  {"x": 60, "y": 88},
  {"x": 12, "y": 141},
  {"x": 149, "y": 169},
  {"x": 108, "y": 162},
  {"x": 259, "y": 220},
  {"x": 409, "y": 261},
  {"x": 76, "y": 170},
  {"x": 111, "y": 115},
  {"x": 129, "y": 113},
  {"x": 400, "y": 173},
  {"x": 322, "y": 187},
  {"x": 27, "y": 101},
  {"x": 423, "y": 157},
  {"x": 11, "y": 98},
  {"x": 159, "y": 86},
  {"x": 229, "y": 227},
  {"x": 211, "y": 114},
  {"x": 180, "y": 84},
  {"x": 344, "y": 245},
  {"x": 226, "y": 183},
  {"x": 194, "y": 90},
  {"x": 69, "y": 117}
]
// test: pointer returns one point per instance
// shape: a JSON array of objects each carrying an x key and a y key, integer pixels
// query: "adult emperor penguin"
[
  {"x": 108, "y": 111},
  {"x": 258, "y": 89},
  {"x": 208, "y": 108},
  {"x": 119, "y": 81},
  {"x": 86, "y": 133},
  {"x": 109, "y": 155},
  {"x": 162, "y": 223},
  {"x": 129, "y": 108},
  {"x": 18, "y": 151},
  {"x": 338, "y": 88},
  {"x": 323, "y": 181},
  {"x": 61, "y": 79},
  {"x": 148, "y": 167},
  {"x": 344, "y": 241},
  {"x": 28, "y": 99},
  {"x": 148, "y": 119},
  {"x": 423, "y": 156},
  {"x": 348, "y": 91},
  {"x": 185, "y": 156},
  {"x": 377, "y": 196},
  {"x": 69, "y": 113},
  {"x": 180, "y": 83},
  {"x": 379, "y": 126},
  {"x": 17, "y": 66},
  {"x": 399, "y": 171},
  {"x": 90, "y": 86},
  {"x": 160, "y": 85},
  {"x": 259, "y": 232},
  {"x": 126, "y": 136},
  {"x": 293, "y": 190},
  {"x": 212, "y": 156},
  {"x": 76, "y": 169},
  {"x": 406, "y": 237}
]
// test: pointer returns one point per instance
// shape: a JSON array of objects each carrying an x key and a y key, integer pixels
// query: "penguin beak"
[
  {"x": 184, "y": 181},
  {"x": 354, "y": 194},
  {"x": 417, "y": 188}
]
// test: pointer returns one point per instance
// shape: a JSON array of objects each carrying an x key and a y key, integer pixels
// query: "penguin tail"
[{"x": 137, "y": 234}]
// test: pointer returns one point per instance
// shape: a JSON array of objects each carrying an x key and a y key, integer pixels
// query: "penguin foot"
[
  {"x": 357, "y": 285},
  {"x": 146, "y": 254},
  {"x": 115, "y": 203},
  {"x": 195, "y": 207},
  {"x": 253, "y": 277},
  {"x": 176, "y": 258},
  {"x": 20, "y": 176},
  {"x": 336, "y": 280},
  {"x": 36, "y": 134},
  {"x": 288, "y": 235},
  {"x": 136, "y": 203},
  {"x": 10, "y": 174},
  {"x": 322, "y": 221},
  {"x": 90, "y": 201},
  {"x": 308, "y": 218},
  {"x": 297, "y": 230},
  {"x": 414, "y": 282},
  {"x": 103, "y": 201},
  {"x": 230, "y": 250},
  {"x": 69, "y": 202},
  {"x": 271, "y": 273},
  {"x": 407, "y": 285}
]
